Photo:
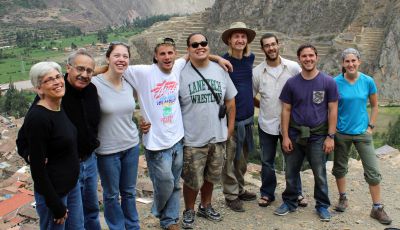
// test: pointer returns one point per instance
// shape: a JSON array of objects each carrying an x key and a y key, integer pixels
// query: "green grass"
[
  {"x": 386, "y": 115},
  {"x": 17, "y": 68}
]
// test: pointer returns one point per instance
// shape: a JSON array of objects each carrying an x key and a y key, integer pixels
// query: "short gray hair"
[
  {"x": 39, "y": 70},
  {"x": 350, "y": 51},
  {"x": 73, "y": 55}
]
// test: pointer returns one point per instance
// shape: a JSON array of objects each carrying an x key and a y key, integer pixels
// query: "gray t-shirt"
[
  {"x": 117, "y": 131},
  {"x": 199, "y": 108}
]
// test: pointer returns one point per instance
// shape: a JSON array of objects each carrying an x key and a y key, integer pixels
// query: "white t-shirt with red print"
[{"x": 159, "y": 103}]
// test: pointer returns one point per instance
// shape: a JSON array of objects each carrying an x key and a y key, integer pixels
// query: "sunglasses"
[
  {"x": 195, "y": 45},
  {"x": 114, "y": 43},
  {"x": 161, "y": 41}
]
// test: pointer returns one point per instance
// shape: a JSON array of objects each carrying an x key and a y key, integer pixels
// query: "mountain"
[
  {"x": 372, "y": 27},
  {"x": 90, "y": 15}
]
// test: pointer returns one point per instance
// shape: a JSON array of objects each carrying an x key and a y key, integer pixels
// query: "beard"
[{"x": 269, "y": 58}]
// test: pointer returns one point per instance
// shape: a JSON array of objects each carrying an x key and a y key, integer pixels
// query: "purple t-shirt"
[{"x": 309, "y": 98}]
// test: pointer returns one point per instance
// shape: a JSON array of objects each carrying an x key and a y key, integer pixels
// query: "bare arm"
[
  {"x": 329, "y": 143},
  {"x": 285, "y": 118},
  {"x": 373, "y": 100},
  {"x": 231, "y": 111},
  {"x": 225, "y": 64},
  {"x": 100, "y": 69},
  {"x": 256, "y": 103}
]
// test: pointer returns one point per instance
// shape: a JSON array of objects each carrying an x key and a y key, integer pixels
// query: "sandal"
[
  {"x": 302, "y": 201},
  {"x": 264, "y": 201}
]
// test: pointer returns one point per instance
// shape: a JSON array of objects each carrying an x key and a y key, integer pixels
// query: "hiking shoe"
[
  {"x": 342, "y": 204},
  {"x": 380, "y": 215},
  {"x": 323, "y": 214},
  {"x": 283, "y": 210},
  {"x": 173, "y": 227},
  {"x": 247, "y": 196},
  {"x": 236, "y": 205},
  {"x": 209, "y": 213},
  {"x": 188, "y": 219}
]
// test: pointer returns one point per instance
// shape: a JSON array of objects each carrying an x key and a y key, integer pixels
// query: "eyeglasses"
[
  {"x": 270, "y": 45},
  {"x": 52, "y": 80},
  {"x": 195, "y": 45},
  {"x": 161, "y": 41},
  {"x": 82, "y": 69},
  {"x": 114, "y": 43}
]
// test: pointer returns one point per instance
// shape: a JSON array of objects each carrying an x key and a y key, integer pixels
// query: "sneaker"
[
  {"x": 247, "y": 196},
  {"x": 342, "y": 204},
  {"x": 209, "y": 213},
  {"x": 236, "y": 205},
  {"x": 324, "y": 214},
  {"x": 173, "y": 227},
  {"x": 188, "y": 219},
  {"x": 283, "y": 210},
  {"x": 380, "y": 215}
]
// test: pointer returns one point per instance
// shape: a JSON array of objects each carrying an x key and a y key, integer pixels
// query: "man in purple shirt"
[{"x": 309, "y": 115}]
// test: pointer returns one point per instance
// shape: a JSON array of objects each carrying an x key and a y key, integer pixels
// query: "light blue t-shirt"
[{"x": 353, "y": 97}]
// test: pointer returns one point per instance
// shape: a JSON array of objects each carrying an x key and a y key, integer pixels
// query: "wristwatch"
[
  {"x": 371, "y": 126},
  {"x": 331, "y": 135}
]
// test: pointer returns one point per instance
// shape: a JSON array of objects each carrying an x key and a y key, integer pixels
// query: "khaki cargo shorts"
[{"x": 203, "y": 163}]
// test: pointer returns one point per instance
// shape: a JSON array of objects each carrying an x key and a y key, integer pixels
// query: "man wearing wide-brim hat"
[{"x": 238, "y": 147}]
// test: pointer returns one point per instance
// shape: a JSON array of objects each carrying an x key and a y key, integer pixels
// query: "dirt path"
[{"x": 356, "y": 217}]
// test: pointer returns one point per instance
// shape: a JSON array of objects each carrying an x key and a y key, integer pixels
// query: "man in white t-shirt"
[
  {"x": 269, "y": 77},
  {"x": 157, "y": 86}
]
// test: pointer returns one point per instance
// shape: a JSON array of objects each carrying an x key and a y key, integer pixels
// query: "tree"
[
  {"x": 393, "y": 135},
  {"x": 102, "y": 36},
  {"x": 15, "y": 103},
  {"x": 73, "y": 46}
]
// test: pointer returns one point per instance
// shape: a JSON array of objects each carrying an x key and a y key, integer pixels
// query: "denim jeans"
[
  {"x": 165, "y": 168},
  {"x": 88, "y": 186},
  {"x": 72, "y": 201},
  {"x": 317, "y": 158},
  {"x": 268, "y": 145},
  {"x": 118, "y": 174}
]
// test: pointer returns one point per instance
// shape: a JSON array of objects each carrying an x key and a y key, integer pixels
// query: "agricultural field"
[{"x": 15, "y": 62}]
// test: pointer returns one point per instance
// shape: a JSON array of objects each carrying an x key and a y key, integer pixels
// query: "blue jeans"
[
  {"x": 88, "y": 185},
  {"x": 72, "y": 201},
  {"x": 118, "y": 174},
  {"x": 165, "y": 167},
  {"x": 268, "y": 145},
  {"x": 317, "y": 159}
]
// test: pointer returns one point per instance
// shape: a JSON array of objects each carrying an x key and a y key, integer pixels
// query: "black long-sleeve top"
[
  {"x": 83, "y": 109},
  {"x": 51, "y": 135}
]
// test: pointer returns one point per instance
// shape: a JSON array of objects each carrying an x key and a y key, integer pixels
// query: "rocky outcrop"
[
  {"x": 289, "y": 16},
  {"x": 322, "y": 23},
  {"x": 387, "y": 71}
]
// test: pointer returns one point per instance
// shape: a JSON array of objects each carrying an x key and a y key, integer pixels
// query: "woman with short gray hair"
[
  {"x": 52, "y": 146},
  {"x": 355, "y": 127}
]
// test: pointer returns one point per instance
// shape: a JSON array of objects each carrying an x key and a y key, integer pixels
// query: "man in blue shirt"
[
  {"x": 309, "y": 115},
  {"x": 238, "y": 37}
]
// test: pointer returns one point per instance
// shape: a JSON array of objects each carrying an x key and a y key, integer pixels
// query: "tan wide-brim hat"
[{"x": 238, "y": 26}]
